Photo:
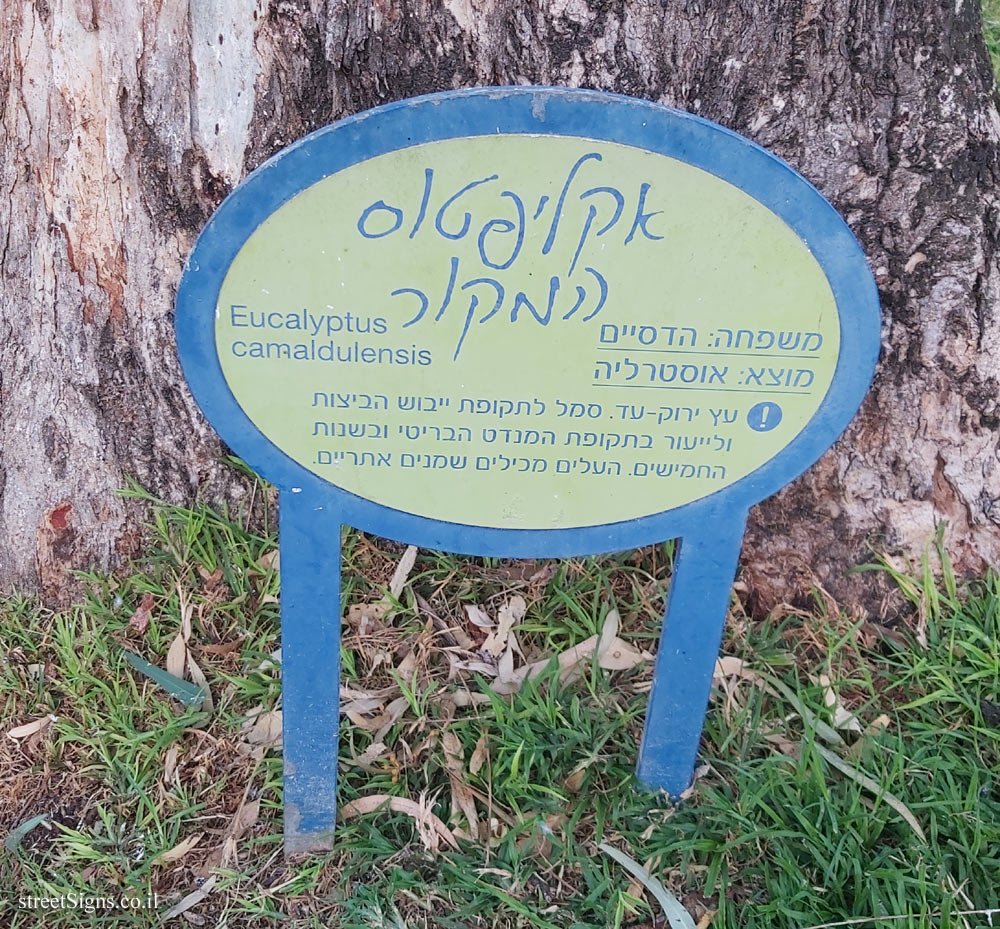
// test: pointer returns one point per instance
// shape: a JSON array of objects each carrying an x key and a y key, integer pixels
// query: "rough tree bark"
[{"x": 124, "y": 125}]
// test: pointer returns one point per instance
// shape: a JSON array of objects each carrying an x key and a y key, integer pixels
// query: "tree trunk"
[{"x": 123, "y": 128}]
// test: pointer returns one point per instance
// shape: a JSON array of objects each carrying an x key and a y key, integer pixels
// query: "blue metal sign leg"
[
  {"x": 689, "y": 645},
  {"x": 310, "y": 667}
]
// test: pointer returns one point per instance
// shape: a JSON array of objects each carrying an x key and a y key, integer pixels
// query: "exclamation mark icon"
[{"x": 763, "y": 417}]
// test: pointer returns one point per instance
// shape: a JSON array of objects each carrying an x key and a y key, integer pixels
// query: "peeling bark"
[{"x": 124, "y": 127}]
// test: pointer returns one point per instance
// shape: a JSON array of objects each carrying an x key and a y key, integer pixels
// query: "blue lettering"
[
  {"x": 380, "y": 205},
  {"x": 504, "y": 226},
  {"x": 468, "y": 216}
]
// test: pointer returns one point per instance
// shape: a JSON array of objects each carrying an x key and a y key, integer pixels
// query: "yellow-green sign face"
[{"x": 527, "y": 331}]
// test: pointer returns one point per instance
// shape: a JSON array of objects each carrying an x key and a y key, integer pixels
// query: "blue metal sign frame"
[{"x": 312, "y": 510}]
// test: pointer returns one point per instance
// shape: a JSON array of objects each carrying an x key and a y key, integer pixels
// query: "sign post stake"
[
  {"x": 685, "y": 660},
  {"x": 310, "y": 667},
  {"x": 522, "y": 322}
]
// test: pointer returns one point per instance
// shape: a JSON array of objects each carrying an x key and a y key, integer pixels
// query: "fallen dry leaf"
[
  {"x": 450, "y": 635},
  {"x": 408, "y": 666},
  {"x": 477, "y": 667},
  {"x": 878, "y": 724},
  {"x": 264, "y": 729},
  {"x": 574, "y": 780},
  {"x": 727, "y": 666},
  {"x": 35, "y": 726},
  {"x": 192, "y": 899},
  {"x": 402, "y": 572},
  {"x": 505, "y": 669},
  {"x": 170, "y": 764},
  {"x": 272, "y": 661},
  {"x": 842, "y": 718},
  {"x": 222, "y": 648},
  {"x": 225, "y": 855},
  {"x": 369, "y": 724},
  {"x": 392, "y": 713},
  {"x": 429, "y": 827},
  {"x": 461, "y": 795},
  {"x": 245, "y": 817},
  {"x": 510, "y": 615},
  {"x": 613, "y": 654},
  {"x": 538, "y": 842},
  {"x": 177, "y": 656},
  {"x": 361, "y": 705},
  {"x": 478, "y": 758},
  {"x": 198, "y": 678},
  {"x": 362, "y": 614},
  {"x": 467, "y": 698},
  {"x": 620, "y": 656},
  {"x": 214, "y": 587},
  {"x": 729, "y": 671},
  {"x": 368, "y": 615},
  {"x": 209, "y": 578},
  {"x": 510, "y": 681},
  {"x": 425, "y": 745},
  {"x": 179, "y": 850},
  {"x": 382, "y": 723},
  {"x": 699, "y": 773},
  {"x": 478, "y": 617},
  {"x": 139, "y": 620},
  {"x": 366, "y": 760},
  {"x": 454, "y": 757},
  {"x": 186, "y": 610},
  {"x": 783, "y": 744}
]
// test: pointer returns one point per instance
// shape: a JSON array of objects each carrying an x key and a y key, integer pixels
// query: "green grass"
[
  {"x": 774, "y": 835},
  {"x": 991, "y": 28}
]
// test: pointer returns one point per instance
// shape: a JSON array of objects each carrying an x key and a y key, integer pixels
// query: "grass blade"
[
  {"x": 182, "y": 690},
  {"x": 823, "y": 730},
  {"x": 13, "y": 841},
  {"x": 873, "y": 786},
  {"x": 677, "y": 916}
]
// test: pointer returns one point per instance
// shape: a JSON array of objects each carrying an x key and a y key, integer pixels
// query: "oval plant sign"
[{"x": 529, "y": 321}]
